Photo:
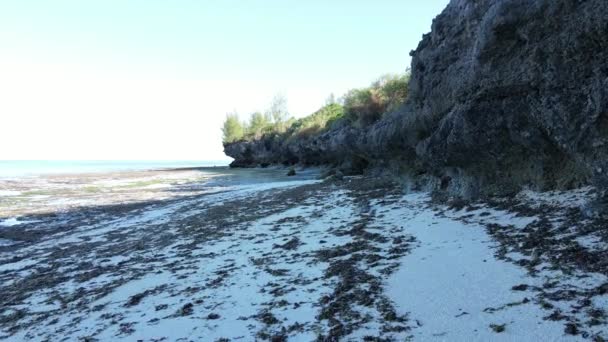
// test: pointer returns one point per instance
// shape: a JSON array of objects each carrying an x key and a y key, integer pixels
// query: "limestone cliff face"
[
  {"x": 503, "y": 94},
  {"x": 515, "y": 90}
]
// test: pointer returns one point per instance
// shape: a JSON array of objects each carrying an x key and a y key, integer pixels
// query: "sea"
[{"x": 21, "y": 168}]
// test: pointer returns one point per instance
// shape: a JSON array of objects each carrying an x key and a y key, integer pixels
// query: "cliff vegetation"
[{"x": 359, "y": 107}]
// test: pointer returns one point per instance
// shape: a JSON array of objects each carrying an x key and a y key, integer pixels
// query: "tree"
[
  {"x": 233, "y": 128},
  {"x": 362, "y": 106},
  {"x": 393, "y": 90},
  {"x": 278, "y": 112},
  {"x": 257, "y": 124}
]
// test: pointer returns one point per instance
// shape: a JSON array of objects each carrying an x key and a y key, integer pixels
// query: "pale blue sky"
[{"x": 146, "y": 79}]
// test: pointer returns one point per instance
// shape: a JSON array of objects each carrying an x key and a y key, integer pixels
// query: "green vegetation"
[
  {"x": 258, "y": 125},
  {"x": 359, "y": 107},
  {"x": 317, "y": 122},
  {"x": 278, "y": 113},
  {"x": 233, "y": 129},
  {"x": 275, "y": 120},
  {"x": 367, "y": 105}
]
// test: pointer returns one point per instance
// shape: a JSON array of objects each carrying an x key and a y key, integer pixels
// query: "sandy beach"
[{"x": 225, "y": 255}]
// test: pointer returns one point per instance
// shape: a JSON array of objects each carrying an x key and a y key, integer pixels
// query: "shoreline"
[
  {"x": 61, "y": 192},
  {"x": 18, "y": 169}
]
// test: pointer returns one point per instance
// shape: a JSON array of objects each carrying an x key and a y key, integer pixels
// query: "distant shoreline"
[
  {"x": 193, "y": 168},
  {"x": 38, "y": 168}
]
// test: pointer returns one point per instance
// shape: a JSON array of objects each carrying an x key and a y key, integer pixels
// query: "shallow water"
[
  {"x": 48, "y": 193},
  {"x": 232, "y": 177},
  {"x": 19, "y": 168}
]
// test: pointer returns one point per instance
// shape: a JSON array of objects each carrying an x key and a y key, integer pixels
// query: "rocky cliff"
[{"x": 504, "y": 94}]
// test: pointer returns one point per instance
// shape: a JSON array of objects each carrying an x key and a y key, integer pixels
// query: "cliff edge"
[{"x": 503, "y": 94}]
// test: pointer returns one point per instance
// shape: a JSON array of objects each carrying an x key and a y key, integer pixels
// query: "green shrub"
[
  {"x": 367, "y": 105},
  {"x": 317, "y": 122},
  {"x": 233, "y": 129},
  {"x": 278, "y": 113},
  {"x": 361, "y": 107},
  {"x": 258, "y": 125},
  {"x": 393, "y": 90}
]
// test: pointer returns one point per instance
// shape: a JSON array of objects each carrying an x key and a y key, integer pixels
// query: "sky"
[{"x": 154, "y": 79}]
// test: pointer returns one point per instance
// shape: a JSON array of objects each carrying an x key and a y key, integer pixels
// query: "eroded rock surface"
[{"x": 504, "y": 94}]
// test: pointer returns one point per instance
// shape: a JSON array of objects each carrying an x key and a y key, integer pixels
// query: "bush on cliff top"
[
  {"x": 317, "y": 122},
  {"x": 362, "y": 107},
  {"x": 274, "y": 120},
  {"x": 365, "y": 106},
  {"x": 258, "y": 125},
  {"x": 233, "y": 129}
]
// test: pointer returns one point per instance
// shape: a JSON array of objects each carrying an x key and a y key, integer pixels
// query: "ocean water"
[{"x": 22, "y": 168}]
